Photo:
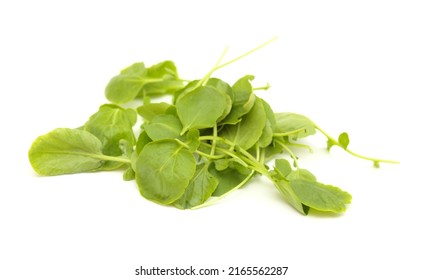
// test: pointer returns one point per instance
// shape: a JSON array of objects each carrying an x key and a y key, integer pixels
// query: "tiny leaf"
[{"x": 343, "y": 140}]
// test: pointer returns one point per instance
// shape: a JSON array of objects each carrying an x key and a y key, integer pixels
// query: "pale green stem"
[
  {"x": 281, "y": 134},
  {"x": 289, "y": 151},
  {"x": 245, "y": 54},
  {"x": 214, "y": 142},
  {"x": 110, "y": 158},
  {"x": 219, "y": 66},
  {"x": 262, "y": 88},
  {"x": 205, "y": 79},
  {"x": 376, "y": 161},
  {"x": 208, "y": 156},
  {"x": 229, "y": 153}
]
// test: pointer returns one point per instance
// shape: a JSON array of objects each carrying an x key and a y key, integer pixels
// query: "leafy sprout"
[{"x": 211, "y": 140}]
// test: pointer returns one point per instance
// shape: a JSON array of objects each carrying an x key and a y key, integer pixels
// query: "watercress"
[{"x": 209, "y": 141}]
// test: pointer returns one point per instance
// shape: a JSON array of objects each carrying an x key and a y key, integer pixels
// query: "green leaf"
[
  {"x": 330, "y": 144},
  {"x": 270, "y": 125},
  {"x": 243, "y": 100},
  {"x": 247, "y": 132},
  {"x": 150, "y": 110},
  {"x": 129, "y": 174},
  {"x": 301, "y": 174},
  {"x": 283, "y": 166},
  {"x": 298, "y": 125},
  {"x": 343, "y": 140},
  {"x": 163, "y": 127},
  {"x": 163, "y": 171},
  {"x": 66, "y": 151},
  {"x": 143, "y": 139},
  {"x": 200, "y": 108},
  {"x": 225, "y": 89},
  {"x": 227, "y": 179},
  {"x": 137, "y": 81},
  {"x": 111, "y": 124},
  {"x": 321, "y": 197},
  {"x": 200, "y": 188},
  {"x": 127, "y": 85},
  {"x": 286, "y": 190},
  {"x": 192, "y": 140}
]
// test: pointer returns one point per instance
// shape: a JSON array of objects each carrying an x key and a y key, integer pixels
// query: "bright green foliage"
[
  {"x": 138, "y": 81},
  {"x": 243, "y": 100},
  {"x": 163, "y": 127},
  {"x": 211, "y": 140},
  {"x": 200, "y": 108},
  {"x": 200, "y": 188},
  {"x": 150, "y": 110},
  {"x": 111, "y": 124},
  {"x": 247, "y": 132},
  {"x": 66, "y": 151},
  {"x": 343, "y": 139},
  {"x": 163, "y": 170}
]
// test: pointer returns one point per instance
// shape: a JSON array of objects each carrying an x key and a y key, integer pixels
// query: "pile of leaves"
[{"x": 211, "y": 139}]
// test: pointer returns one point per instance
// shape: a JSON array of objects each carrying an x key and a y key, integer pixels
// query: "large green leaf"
[
  {"x": 136, "y": 80},
  {"x": 243, "y": 100},
  {"x": 66, "y": 151},
  {"x": 248, "y": 131},
  {"x": 321, "y": 197},
  {"x": 150, "y": 110},
  {"x": 227, "y": 179},
  {"x": 201, "y": 107},
  {"x": 200, "y": 188},
  {"x": 292, "y": 122},
  {"x": 111, "y": 124},
  {"x": 163, "y": 170},
  {"x": 163, "y": 127}
]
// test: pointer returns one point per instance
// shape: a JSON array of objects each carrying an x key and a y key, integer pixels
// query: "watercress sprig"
[{"x": 208, "y": 142}]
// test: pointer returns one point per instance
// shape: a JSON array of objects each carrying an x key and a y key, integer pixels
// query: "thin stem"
[
  {"x": 281, "y": 134},
  {"x": 229, "y": 153},
  {"x": 289, "y": 151},
  {"x": 335, "y": 142},
  {"x": 209, "y": 156},
  {"x": 262, "y": 88},
  {"x": 205, "y": 79},
  {"x": 247, "y": 158},
  {"x": 111, "y": 158},
  {"x": 219, "y": 66},
  {"x": 245, "y": 54},
  {"x": 214, "y": 142}
]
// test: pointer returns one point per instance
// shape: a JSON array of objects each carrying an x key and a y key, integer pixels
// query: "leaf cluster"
[{"x": 211, "y": 139}]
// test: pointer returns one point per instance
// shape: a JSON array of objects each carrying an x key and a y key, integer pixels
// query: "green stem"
[
  {"x": 335, "y": 142},
  {"x": 281, "y": 134},
  {"x": 209, "y": 156},
  {"x": 205, "y": 79},
  {"x": 244, "y": 55},
  {"x": 289, "y": 151},
  {"x": 262, "y": 88},
  {"x": 246, "y": 157},
  {"x": 111, "y": 158},
  {"x": 214, "y": 143},
  {"x": 219, "y": 66},
  {"x": 229, "y": 153}
]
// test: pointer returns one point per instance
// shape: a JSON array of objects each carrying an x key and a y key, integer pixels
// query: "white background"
[{"x": 349, "y": 65}]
